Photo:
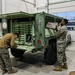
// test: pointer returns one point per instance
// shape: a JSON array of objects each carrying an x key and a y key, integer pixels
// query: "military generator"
[{"x": 34, "y": 33}]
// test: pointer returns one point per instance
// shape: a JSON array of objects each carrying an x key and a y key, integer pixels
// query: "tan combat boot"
[
  {"x": 4, "y": 71},
  {"x": 72, "y": 73},
  {"x": 58, "y": 68},
  {"x": 65, "y": 66},
  {"x": 12, "y": 71}
]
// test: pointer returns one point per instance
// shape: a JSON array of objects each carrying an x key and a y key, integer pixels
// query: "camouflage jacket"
[{"x": 61, "y": 33}]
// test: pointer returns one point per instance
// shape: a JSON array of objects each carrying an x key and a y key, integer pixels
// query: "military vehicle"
[{"x": 34, "y": 33}]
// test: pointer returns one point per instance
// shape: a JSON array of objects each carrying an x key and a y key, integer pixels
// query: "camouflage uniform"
[
  {"x": 6, "y": 41},
  {"x": 5, "y": 62},
  {"x": 61, "y": 44}
]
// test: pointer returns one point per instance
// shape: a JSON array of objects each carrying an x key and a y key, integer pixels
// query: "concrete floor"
[{"x": 33, "y": 63}]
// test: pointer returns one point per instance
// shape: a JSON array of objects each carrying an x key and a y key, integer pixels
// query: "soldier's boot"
[
  {"x": 12, "y": 71},
  {"x": 58, "y": 68},
  {"x": 72, "y": 73},
  {"x": 4, "y": 71},
  {"x": 65, "y": 66}
]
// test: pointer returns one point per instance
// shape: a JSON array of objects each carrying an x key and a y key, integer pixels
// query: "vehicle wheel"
[
  {"x": 50, "y": 54},
  {"x": 17, "y": 52}
]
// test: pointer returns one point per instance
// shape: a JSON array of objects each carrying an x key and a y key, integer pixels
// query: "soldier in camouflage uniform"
[
  {"x": 61, "y": 45},
  {"x": 5, "y": 62}
]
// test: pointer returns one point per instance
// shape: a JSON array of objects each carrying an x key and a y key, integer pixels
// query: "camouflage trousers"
[
  {"x": 61, "y": 55},
  {"x": 5, "y": 61}
]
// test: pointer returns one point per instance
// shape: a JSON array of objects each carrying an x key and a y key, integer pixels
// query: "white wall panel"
[
  {"x": 26, "y": 7},
  {"x": 13, "y": 2},
  {"x": 53, "y": 1},
  {"x": 66, "y": 9},
  {"x": 41, "y": 3},
  {"x": 57, "y": 8},
  {"x": 9, "y": 6},
  {"x": 32, "y": 1},
  {"x": 60, "y": 5},
  {"x": 63, "y": 7}
]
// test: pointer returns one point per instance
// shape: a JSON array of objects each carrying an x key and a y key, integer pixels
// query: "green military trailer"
[{"x": 34, "y": 33}]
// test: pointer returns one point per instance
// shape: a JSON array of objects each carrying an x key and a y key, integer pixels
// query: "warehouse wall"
[
  {"x": 63, "y": 7},
  {"x": 56, "y": 8},
  {"x": 9, "y": 6}
]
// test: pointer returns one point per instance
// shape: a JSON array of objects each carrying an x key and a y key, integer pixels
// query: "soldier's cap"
[{"x": 16, "y": 34}]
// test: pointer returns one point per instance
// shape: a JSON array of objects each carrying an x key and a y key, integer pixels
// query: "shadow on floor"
[{"x": 32, "y": 62}]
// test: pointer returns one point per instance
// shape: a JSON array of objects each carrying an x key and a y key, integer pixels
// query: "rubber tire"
[
  {"x": 50, "y": 54},
  {"x": 17, "y": 52}
]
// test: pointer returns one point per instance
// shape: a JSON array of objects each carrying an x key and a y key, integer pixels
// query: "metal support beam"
[
  {"x": 25, "y": 5},
  {"x": 28, "y": 2},
  {"x": 0, "y": 6},
  {"x": 35, "y": 6},
  {"x": 34, "y": 3},
  {"x": 47, "y": 6}
]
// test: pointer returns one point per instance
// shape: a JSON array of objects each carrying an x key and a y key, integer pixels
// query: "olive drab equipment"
[{"x": 34, "y": 33}]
